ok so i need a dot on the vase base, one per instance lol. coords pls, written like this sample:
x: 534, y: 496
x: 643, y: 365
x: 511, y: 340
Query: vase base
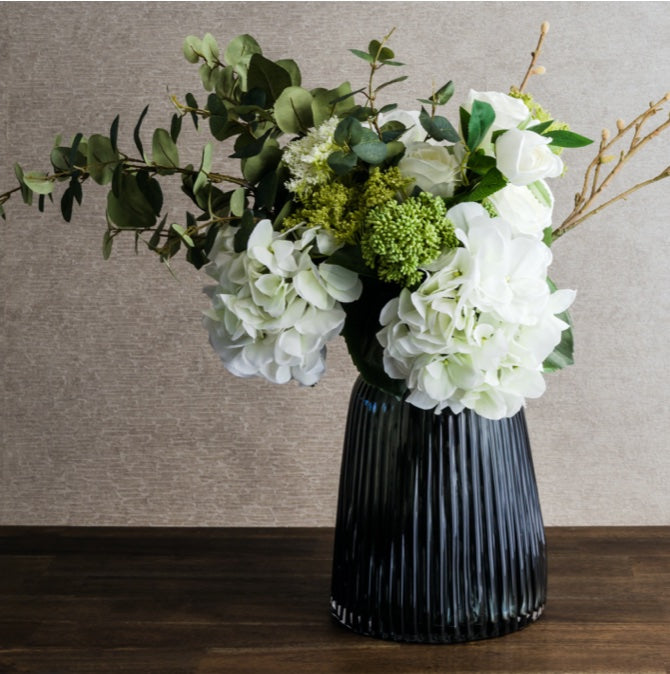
x: 438, y: 634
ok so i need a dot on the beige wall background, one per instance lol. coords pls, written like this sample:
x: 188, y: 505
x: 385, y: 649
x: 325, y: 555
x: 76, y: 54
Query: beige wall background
x: 113, y: 408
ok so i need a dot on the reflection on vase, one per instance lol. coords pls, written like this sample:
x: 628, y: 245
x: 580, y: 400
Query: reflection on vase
x: 439, y: 534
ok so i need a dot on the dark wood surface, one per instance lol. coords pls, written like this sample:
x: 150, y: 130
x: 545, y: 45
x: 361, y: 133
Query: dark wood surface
x: 256, y: 601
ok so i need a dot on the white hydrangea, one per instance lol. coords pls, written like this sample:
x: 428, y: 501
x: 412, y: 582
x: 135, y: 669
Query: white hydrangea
x: 307, y: 157
x: 273, y: 308
x: 477, y: 330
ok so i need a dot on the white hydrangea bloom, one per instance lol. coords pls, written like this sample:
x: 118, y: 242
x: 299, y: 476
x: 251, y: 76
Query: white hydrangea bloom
x: 307, y: 157
x: 477, y: 330
x: 273, y: 309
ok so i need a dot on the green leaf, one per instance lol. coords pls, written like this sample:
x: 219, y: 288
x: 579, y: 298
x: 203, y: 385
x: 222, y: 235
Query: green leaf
x: 402, y: 78
x: 102, y: 159
x: 482, y: 117
x: 130, y: 209
x: 363, y: 55
x: 268, y: 76
x: 563, y: 354
x: 207, y: 76
x: 540, y: 128
x: 329, y: 102
x: 66, y: 203
x: 254, y: 168
x: 373, y: 48
x: 136, y: 132
x: 489, y: 184
x: 183, y: 235
x: 164, y: 150
x: 566, y: 139
x: 205, y: 167
x: 548, y: 236
x: 348, y: 131
x: 392, y: 130
x: 192, y: 103
x: 481, y: 163
x: 210, y: 50
x: 72, y: 159
x: 175, y: 126
x: 38, y: 182
x: 444, y: 93
x: 370, y: 150
x: 248, y: 146
x: 151, y: 190
x: 218, y: 119
x: 114, y: 133
x: 238, y: 202
x: 293, y: 110
x: 240, y: 50
x: 107, y: 241
x: 291, y: 67
x: 192, y: 48
x: 438, y: 128
x: 266, y: 190
x: 342, y: 162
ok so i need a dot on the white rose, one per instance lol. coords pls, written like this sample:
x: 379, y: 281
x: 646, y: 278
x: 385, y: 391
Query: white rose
x: 432, y: 167
x: 524, y: 157
x: 510, y: 111
x: 526, y: 213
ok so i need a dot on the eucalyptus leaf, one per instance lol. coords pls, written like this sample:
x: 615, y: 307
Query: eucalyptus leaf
x: 114, y: 133
x: 131, y: 209
x: 439, y: 128
x: 136, y: 132
x: 293, y: 110
x: 363, y: 55
x: 238, y: 202
x: 102, y: 159
x: 164, y: 149
x: 292, y: 68
x: 192, y: 47
x: 38, y: 182
x: 268, y: 76
x: 342, y: 162
x: 107, y: 241
x: 210, y: 50
x: 370, y: 151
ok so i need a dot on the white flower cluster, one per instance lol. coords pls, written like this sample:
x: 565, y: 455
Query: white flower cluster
x: 477, y: 330
x: 273, y: 308
x: 307, y: 157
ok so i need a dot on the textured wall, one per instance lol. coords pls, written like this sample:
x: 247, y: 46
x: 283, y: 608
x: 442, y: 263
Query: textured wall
x: 113, y: 409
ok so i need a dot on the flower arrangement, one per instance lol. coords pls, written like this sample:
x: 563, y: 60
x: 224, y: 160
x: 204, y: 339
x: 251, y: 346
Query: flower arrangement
x: 425, y: 243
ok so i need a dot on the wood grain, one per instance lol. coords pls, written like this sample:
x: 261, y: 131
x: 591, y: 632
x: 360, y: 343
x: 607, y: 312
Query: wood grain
x: 164, y: 600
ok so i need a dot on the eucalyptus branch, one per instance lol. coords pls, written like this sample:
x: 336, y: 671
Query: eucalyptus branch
x: 593, y: 186
x: 534, y: 69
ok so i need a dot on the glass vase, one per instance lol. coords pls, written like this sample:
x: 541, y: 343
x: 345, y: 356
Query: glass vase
x: 439, y: 535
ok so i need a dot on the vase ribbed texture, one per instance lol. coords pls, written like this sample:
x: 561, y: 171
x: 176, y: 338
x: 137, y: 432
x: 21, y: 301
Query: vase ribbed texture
x: 439, y: 535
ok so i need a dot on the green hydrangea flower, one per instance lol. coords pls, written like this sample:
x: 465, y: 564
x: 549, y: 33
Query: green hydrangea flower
x: 400, y: 238
x: 342, y: 209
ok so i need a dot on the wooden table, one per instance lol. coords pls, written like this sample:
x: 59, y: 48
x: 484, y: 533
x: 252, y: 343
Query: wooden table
x: 156, y: 600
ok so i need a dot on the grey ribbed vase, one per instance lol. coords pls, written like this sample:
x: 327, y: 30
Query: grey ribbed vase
x: 439, y: 535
